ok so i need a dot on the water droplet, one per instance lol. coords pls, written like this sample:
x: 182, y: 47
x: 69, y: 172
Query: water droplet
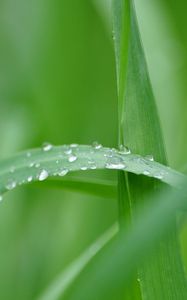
x: 11, y: 185
x: 68, y: 151
x: 37, y: 165
x: 31, y: 165
x: 124, y: 149
x: 110, y: 152
x: 92, y: 164
x: 72, y: 158
x: 149, y: 157
x: 47, y: 147
x: 57, y: 162
x: 21, y: 182
x: 63, y: 172
x: 138, y: 279
x: 1, y: 198
x: 147, y: 173
x: 43, y: 175
x: 28, y: 154
x: 29, y: 179
x: 158, y: 176
x: 96, y: 145
x: 93, y: 167
x: 84, y: 168
x: 74, y: 145
x: 115, y: 163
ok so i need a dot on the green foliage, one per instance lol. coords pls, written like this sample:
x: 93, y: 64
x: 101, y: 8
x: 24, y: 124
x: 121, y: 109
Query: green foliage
x: 58, y: 83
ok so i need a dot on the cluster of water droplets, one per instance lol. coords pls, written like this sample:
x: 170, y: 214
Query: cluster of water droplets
x: 71, y: 157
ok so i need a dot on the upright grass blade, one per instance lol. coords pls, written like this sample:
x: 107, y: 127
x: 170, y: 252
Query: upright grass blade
x: 113, y: 268
x: 139, y: 129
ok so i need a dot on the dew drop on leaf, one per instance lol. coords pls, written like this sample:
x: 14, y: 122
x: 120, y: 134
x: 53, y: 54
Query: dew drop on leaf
x: 43, y: 175
x: 11, y: 185
x: 84, y: 168
x: 63, y: 172
x: 150, y: 157
x: 124, y: 149
x: 68, y: 151
x: 96, y: 145
x: 115, y: 163
x: 1, y: 197
x: 147, y: 173
x: 74, y: 145
x: 158, y: 176
x: 29, y: 179
x: 72, y: 158
x: 47, y: 147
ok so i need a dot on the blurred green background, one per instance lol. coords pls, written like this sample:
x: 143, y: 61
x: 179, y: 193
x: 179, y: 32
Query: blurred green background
x: 58, y: 84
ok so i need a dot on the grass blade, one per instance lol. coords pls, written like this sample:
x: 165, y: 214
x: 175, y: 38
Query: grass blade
x: 139, y: 129
x: 37, y: 165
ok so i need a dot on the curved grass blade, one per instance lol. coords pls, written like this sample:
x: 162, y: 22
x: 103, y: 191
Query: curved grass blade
x: 38, y: 165
x: 139, y: 129
x: 117, y: 262
x: 64, y: 280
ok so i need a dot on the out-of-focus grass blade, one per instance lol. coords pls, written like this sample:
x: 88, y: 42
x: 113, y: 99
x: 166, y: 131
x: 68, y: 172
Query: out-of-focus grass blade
x: 39, y: 164
x: 85, y: 185
x: 111, y: 270
x: 63, y: 281
x: 139, y: 129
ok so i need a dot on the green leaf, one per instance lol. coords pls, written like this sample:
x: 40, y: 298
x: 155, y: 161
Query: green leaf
x: 139, y: 129
x: 113, y: 268
x: 38, y: 165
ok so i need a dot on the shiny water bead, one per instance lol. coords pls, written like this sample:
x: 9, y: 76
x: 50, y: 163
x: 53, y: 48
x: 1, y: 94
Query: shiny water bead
x: 43, y: 175
x: 147, y: 173
x: 158, y: 176
x: 124, y: 149
x: 63, y: 172
x: 115, y: 163
x: 96, y: 145
x: 28, y: 154
x: 93, y: 167
x: 74, y: 145
x: 72, y: 158
x: 11, y: 185
x: 30, y: 178
x: 37, y: 165
x: 84, y: 168
x: 149, y: 157
x: 31, y: 165
x: 92, y: 164
x: 68, y: 151
x: 1, y: 197
x: 109, y: 152
x: 47, y: 147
